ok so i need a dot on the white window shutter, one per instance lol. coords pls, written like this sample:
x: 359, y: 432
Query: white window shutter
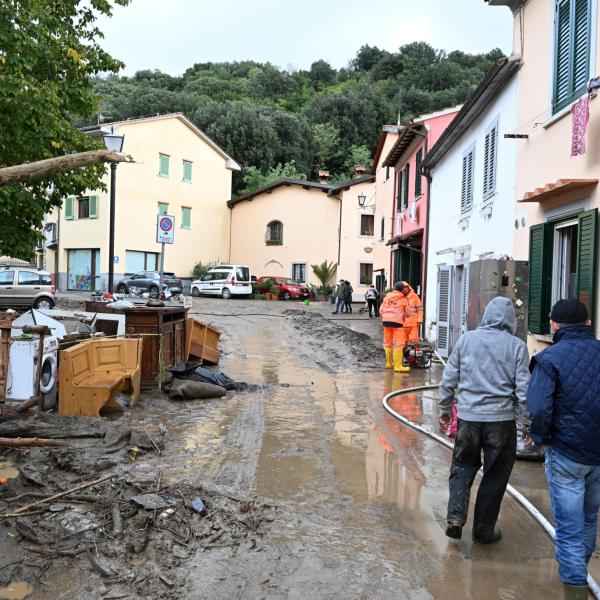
x: 444, y: 293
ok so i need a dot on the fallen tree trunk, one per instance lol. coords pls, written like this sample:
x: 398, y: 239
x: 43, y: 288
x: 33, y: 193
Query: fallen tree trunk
x: 60, y: 164
x: 26, y: 442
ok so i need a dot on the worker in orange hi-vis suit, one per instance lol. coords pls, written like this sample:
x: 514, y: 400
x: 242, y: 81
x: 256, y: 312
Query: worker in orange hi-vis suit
x: 392, y: 315
x: 413, y: 314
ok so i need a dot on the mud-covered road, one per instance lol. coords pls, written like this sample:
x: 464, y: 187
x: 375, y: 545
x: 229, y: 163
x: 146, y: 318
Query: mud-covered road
x: 360, y: 499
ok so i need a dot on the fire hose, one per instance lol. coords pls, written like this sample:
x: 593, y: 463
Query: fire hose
x: 530, y: 508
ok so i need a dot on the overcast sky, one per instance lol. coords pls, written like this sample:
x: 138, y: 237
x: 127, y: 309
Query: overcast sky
x: 172, y: 35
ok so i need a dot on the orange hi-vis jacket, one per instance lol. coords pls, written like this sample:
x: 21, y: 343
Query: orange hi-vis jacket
x: 392, y: 308
x: 413, y: 308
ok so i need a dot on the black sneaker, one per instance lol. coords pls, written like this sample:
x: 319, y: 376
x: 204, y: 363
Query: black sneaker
x: 494, y: 536
x: 454, y: 531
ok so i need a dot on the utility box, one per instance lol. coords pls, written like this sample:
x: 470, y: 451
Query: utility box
x: 498, y: 277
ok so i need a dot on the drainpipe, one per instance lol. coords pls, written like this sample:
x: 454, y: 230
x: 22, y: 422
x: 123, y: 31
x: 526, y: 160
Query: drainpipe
x: 339, y: 232
x: 57, y: 258
x: 426, y: 245
x: 230, y: 230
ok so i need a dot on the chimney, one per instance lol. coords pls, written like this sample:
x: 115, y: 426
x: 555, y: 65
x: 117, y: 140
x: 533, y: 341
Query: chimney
x: 359, y: 170
x: 323, y: 176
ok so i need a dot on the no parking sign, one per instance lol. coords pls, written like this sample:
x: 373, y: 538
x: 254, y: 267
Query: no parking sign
x: 165, y: 229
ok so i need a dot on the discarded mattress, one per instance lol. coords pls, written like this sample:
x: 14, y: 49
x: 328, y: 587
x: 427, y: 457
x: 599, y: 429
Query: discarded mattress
x: 183, y: 389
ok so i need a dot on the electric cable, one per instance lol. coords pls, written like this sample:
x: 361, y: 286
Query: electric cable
x: 530, y: 508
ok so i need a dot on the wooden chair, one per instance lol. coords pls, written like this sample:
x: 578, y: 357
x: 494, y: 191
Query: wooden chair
x: 92, y: 372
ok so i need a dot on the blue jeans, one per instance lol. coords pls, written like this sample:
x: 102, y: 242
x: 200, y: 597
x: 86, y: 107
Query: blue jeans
x: 575, y: 494
x: 339, y: 305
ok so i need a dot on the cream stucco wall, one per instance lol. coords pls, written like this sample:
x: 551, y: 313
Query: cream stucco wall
x: 545, y: 156
x: 310, y: 223
x: 140, y: 189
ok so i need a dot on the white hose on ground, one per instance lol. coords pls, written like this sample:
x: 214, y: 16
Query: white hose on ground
x: 530, y: 508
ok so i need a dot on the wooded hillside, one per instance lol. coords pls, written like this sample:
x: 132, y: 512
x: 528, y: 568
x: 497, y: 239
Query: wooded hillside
x: 279, y: 123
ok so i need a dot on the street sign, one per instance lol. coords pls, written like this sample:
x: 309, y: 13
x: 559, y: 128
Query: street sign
x: 165, y: 229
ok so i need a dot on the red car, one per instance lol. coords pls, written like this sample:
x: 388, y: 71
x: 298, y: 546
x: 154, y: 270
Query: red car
x: 288, y: 288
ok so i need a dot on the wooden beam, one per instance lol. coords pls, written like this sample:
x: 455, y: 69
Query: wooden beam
x: 59, y: 164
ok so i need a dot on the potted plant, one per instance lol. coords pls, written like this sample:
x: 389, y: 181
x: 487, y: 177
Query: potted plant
x: 275, y: 290
x: 322, y: 293
x: 324, y: 273
x: 255, y: 291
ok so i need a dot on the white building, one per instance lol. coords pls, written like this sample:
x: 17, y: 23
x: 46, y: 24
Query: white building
x: 472, y: 200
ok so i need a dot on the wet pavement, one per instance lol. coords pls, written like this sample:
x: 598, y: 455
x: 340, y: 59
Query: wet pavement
x: 361, y: 498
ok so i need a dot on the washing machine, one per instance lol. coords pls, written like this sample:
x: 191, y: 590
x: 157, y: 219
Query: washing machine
x: 22, y: 369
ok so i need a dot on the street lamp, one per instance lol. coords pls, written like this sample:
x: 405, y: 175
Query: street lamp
x: 361, y: 200
x: 113, y: 142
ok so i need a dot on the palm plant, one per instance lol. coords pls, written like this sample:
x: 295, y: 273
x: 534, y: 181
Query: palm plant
x: 324, y: 272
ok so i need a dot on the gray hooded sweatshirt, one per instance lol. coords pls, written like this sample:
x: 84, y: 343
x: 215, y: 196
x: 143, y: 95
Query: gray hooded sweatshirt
x: 488, y: 371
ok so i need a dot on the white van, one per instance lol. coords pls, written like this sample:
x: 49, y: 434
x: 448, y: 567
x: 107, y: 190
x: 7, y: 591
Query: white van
x: 225, y: 281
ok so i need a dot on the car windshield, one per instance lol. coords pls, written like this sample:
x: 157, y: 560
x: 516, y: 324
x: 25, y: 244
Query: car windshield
x: 290, y: 282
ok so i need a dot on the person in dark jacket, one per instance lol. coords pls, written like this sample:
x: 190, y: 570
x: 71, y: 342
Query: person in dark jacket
x: 348, y: 298
x: 487, y: 375
x: 340, y: 297
x: 564, y: 408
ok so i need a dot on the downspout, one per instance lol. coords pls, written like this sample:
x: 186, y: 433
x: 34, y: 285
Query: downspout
x: 57, y: 256
x: 339, y: 233
x: 426, y: 248
x: 230, y: 230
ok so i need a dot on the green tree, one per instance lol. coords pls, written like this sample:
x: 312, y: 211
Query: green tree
x: 48, y: 53
x: 326, y: 139
x: 324, y: 272
x: 254, y: 179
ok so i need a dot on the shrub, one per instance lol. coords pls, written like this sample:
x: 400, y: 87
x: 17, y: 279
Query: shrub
x: 201, y: 269
x: 324, y: 272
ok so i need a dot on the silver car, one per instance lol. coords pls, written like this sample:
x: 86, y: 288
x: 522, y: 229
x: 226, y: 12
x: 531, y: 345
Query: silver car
x: 26, y: 286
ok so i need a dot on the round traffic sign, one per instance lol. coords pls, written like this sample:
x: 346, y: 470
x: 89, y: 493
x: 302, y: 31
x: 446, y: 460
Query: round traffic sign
x: 166, y: 224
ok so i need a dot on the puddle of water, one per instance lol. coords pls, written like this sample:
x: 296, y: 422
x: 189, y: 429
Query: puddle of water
x: 16, y: 591
x: 7, y: 470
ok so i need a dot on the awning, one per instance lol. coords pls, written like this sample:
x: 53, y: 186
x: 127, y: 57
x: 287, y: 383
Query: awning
x: 399, y: 239
x: 560, y: 188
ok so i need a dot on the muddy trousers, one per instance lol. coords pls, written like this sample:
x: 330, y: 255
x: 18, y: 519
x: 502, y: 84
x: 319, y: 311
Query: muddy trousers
x: 498, y: 441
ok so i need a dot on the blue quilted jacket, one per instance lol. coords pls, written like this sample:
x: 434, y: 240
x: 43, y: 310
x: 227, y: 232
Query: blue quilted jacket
x: 564, y: 395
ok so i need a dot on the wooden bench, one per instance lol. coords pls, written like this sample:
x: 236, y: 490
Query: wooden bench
x: 92, y: 372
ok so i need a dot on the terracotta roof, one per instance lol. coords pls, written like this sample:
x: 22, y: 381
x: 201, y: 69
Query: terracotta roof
x: 557, y: 189
x: 409, y: 133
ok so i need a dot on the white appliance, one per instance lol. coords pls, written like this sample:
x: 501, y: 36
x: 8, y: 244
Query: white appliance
x: 22, y: 369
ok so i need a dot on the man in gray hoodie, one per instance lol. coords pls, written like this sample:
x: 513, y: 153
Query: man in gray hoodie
x: 487, y: 376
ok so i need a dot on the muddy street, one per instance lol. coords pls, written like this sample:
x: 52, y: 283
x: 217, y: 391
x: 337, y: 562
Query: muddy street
x: 358, y: 499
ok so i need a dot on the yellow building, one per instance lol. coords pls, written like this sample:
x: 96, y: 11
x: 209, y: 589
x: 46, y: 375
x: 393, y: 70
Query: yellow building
x: 179, y: 171
x: 557, y: 192
x: 285, y: 227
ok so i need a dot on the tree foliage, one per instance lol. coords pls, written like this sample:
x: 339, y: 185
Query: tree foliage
x: 48, y: 53
x: 265, y: 116
x: 324, y: 272
x: 254, y: 179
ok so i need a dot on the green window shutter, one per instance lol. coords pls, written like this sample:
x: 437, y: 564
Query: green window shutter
x: 187, y: 171
x: 69, y: 208
x: 162, y: 208
x: 581, y: 44
x: 397, y: 267
x: 186, y: 218
x: 93, y: 207
x: 399, y: 189
x: 405, y: 186
x: 540, y: 277
x: 562, y: 45
x: 163, y: 165
x: 419, y: 160
x: 587, y: 248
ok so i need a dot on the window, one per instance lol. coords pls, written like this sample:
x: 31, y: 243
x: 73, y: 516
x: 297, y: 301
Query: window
x: 382, y: 228
x: 367, y: 225
x: 562, y: 264
x: 466, y: 194
x: 242, y: 273
x: 28, y: 278
x: 366, y: 273
x: 572, y: 34
x: 83, y: 208
x: 274, y: 233
x: 490, y: 161
x: 138, y: 261
x: 399, y: 190
x: 299, y: 272
x: 7, y: 277
x: 187, y: 171
x: 186, y: 217
x: 163, y: 165
x: 387, y: 173
x: 418, y: 177
x: 403, y: 177
x: 163, y: 208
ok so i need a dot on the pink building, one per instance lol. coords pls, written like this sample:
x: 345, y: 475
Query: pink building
x: 411, y: 197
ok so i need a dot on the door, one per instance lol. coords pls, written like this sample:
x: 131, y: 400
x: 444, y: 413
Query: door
x: 27, y: 287
x: 205, y: 286
x: 444, y: 308
x: 219, y: 281
x: 7, y: 287
x: 83, y: 270
x: 459, y: 299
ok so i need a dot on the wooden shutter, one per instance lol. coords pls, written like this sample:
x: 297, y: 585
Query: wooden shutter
x: 562, y: 45
x: 444, y: 293
x: 399, y: 189
x: 489, y: 162
x: 93, y: 207
x: 163, y: 165
x: 464, y: 299
x: 466, y: 197
x: 405, y: 186
x: 397, y: 268
x: 69, y: 208
x: 187, y: 171
x: 581, y: 44
x: 418, y: 161
x: 587, y: 245
x: 540, y: 277
x: 186, y: 218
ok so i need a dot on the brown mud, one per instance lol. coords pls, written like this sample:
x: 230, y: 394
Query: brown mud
x: 359, y: 499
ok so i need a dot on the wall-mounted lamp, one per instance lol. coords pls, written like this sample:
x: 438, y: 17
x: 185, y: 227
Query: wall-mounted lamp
x: 361, y: 200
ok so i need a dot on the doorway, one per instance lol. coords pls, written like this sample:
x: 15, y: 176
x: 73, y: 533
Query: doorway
x: 83, y: 269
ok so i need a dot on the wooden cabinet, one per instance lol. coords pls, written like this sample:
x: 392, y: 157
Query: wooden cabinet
x: 156, y: 324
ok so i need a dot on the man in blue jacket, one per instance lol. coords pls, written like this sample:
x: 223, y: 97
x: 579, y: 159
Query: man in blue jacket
x: 564, y: 408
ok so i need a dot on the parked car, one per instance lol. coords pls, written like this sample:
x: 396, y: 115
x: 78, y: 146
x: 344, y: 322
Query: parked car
x: 22, y: 286
x: 288, y: 288
x: 225, y: 281
x: 149, y: 281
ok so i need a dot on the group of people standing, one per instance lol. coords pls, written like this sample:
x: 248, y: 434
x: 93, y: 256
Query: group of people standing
x: 343, y: 297
x: 556, y: 398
